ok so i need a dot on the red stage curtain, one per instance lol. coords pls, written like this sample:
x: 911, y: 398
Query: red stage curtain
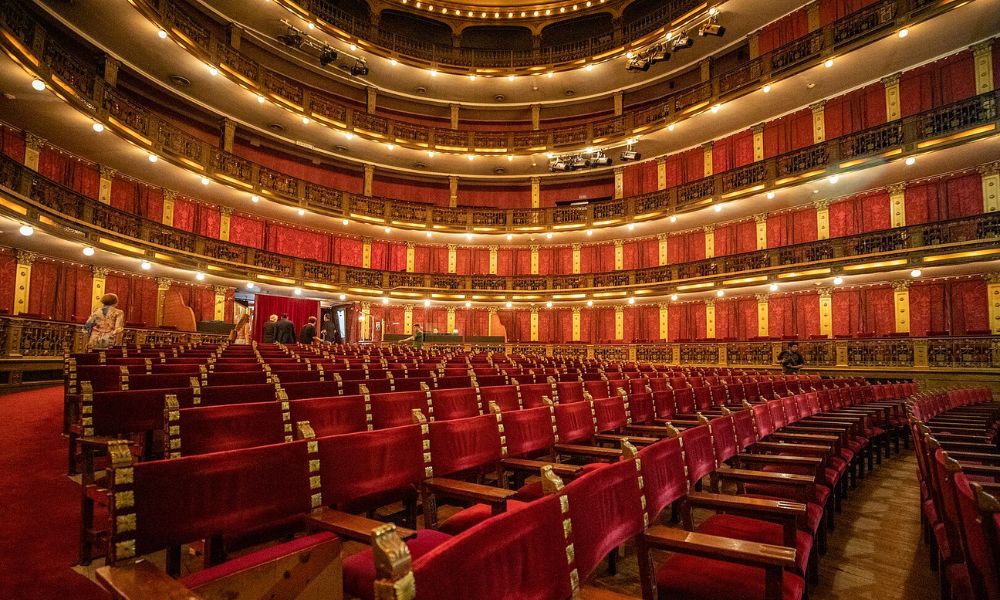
x: 854, y: 111
x: 246, y: 231
x: 786, y: 29
x: 12, y: 143
x: 788, y: 133
x: 297, y: 309
x: 945, y: 199
x: 69, y: 171
x: 136, y: 296
x: 942, y: 82
x: 290, y: 241
x: 8, y: 273
x: 60, y: 290
x: 831, y: 10
x: 137, y: 198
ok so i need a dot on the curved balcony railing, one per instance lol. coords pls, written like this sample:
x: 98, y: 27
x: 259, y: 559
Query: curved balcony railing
x: 916, y: 353
x: 960, y: 240
x: 199, y: 35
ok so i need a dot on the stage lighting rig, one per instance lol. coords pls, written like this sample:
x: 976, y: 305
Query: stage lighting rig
x: 327, y: 56
x: 712, y: 27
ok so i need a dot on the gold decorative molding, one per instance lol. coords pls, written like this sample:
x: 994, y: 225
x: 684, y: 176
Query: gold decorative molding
x: 901, y: 303
x: 536, y: 192
x: 493, y: 259
x: 709, y: 241
x: 452, y: 258
x: 225, y: 222
x: 707, y: 150
x: 219, y: 312
x: 168, y: 208
x: 822, y: 219
x: 664, y: 321
x: 826, y: 312
x: 619, y: 255
x: 534, y: 260
x: 661, y: 174
x: 763, y: 304
x: 366, y: 253
x: 576, y: 324
x: 758, y: 142
x: 576, y: 259
x: 619, y: 322
x: 369, y: 178
x: 991, y: 186
x: 408, y: 319
x: 104, y: 191
x: 22, y: 281
x: 982, y: 56
x: 819, y: 121
x: 760, y: 221
x: 892, y: 100
x: 710, y: 318
x: 993, y: 299
x: 661, y: 249
x: 411, y: 257
x: 534, y: 325
x: 32, y: 150
x: 619, y: 183
x: 897, y: 204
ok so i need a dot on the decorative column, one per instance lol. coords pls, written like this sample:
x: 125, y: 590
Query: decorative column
x: 534, y: 325
x: 452, y: 258
x: 892, y: 106
x: 453, y: 191
x: 661, y: 174
x: 104, y: 191
x: 762, y: 308
x: 901, y: 301
x: 493, y: 259
x: 619, y: 102
x: 32, y: 150
x: 372, y: 98
x: 228, y: 131
x: 819, y: 121
x: 709, y: 241
x: 897, y: 204
x: 993, y: 297
x: 826, y: 312
x: 983, y: 60
x: 619, y: 255
x: 576, y: 259
x: 661, y: 249
x: 407, y: 319
x: 366, y: 253
x: 451, y: 320
x: 220, y: 304
x: 760, y: 220
x: 536, y: 192
x: 162, y: 287
x: 710, y: 318
x: 22, y: 280
x: 492, y: 314
x: 753, y: 44
x: 664, y: 321
x: 619, y: 322
x: 822, y: 219
x: 576, y: 324
x: 364, y: 322
x: 536, y: 117
x: 991, y: 186
x: 411, y: 256
x: 707, y: 152
x: 758, y: 142
x: 454, y: 115
x: 619, y: 182
x: 168, y: 208
x: 369, y: 177
x: 97, y: 286
x: 534, y: 260
x: 225, y: 220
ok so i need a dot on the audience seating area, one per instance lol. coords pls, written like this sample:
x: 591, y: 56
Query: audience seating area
x: 267, y: 455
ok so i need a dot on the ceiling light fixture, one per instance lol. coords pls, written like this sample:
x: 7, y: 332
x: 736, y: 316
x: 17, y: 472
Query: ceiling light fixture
x: 146, y: 265
x: 770, y: 195
x: 153, y: 158
x: 297, y: 291
x: 673, y: 297
x: 162, y: 34
x: 260, y: 99
x: 255, y: 198
x: 97, y: 127
x: 910, y: 161
x: 838, y: 280
x: 88, y: 251
x: 205, y: 180
x: 903, y: 33
x: 199, y: 276
x: 27, y: 230
x: 38, y: 85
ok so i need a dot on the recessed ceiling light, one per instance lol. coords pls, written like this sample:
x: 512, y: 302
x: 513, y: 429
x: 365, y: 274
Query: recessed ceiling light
x: 390, y: 146
x: 903, y: 33
x: 770, y: 195
x: 838, y: 280
x: 260, y: 99
x: 427, y: 302
x: 910, y: 161
x: 146, y: 265
x: 631, y: 300
x: 631, y: 226
x: 468, y: 304
x: 468, y: 236
x: 88, y: 251
x: 213, y: 71
x: 38, y: 85
x: 255, y: 198
x: 199, y: 276
x: 720, y: 293
x: 27, y: 230
x: 673, y: 297
x: 205, y: 180
x: 834, y: 179
x: 766, y: 89
x: 828, y: 63
x: 162, y: 34
x: 153, y: 158
x: 297, y: 291
x: 590, y: 232
x: 509, y: 237
x: 346, y: 222
x: 509, y: 304
x: 98, y: 127
x: 916, y: 273
x: 387, y: 230
x: 716, y: 108
x: 673, y: 218
x: 301, y: 211
x: 393, y: 62
x: 249, y: 285
x: 718, y: 208
x: 670, y: 127
x: 384, y: 300
x: 773, y: 287
x: 548, y: 235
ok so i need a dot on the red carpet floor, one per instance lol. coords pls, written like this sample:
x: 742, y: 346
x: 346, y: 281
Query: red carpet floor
x: 41, y: 506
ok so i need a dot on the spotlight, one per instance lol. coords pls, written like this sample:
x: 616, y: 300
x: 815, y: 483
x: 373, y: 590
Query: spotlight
x: 712, y: 29
x: 834, y: 179
x: 590, y: 232
x: 510, y: 237
x: 680, y: 42
x: 631, y: 226
x: 509, y: 304
x: 673, y: 218
x: 98, y: 127
x: 199, y: 276
x: 345, y: 222
x: 88, y: 251
x: 213, y: 71
x: 260, y: 99
x: 718, y: 208
x: 292, y: 38
x: 766, y: 89
x: 27, y: 230
x: 548, y: 235
x: 630, y: 155
x: 38, y: 85
x: 828, y: 63
x: 302, y: 212
x: 359, y: 69
x: 903, y: 33
x: 205, y: 180
x: 468, y: 236
x: 146, y: 265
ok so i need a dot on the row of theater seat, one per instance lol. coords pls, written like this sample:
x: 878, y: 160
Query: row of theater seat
x: 958, y: 458
x: 830, y: 432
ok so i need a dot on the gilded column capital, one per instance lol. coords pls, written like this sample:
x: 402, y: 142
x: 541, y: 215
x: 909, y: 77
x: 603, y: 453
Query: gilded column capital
x: 452, y: 247
x: 821, y: 204
x: 577, y: 309
x: 758, y: 129
x: 825, y: 292
x: 493, y: 247
x: 817, y: 106
x: 664, y: 306
x: 901, y: 285
x: 708, y: 145
x: 493, y: 310
x: 221, y: 290
x: 107, y: 172
x: 661, y: 161
x: 891, y: 80
x: 983, y: 47
x: 710, y: 302
x: 760, y: 218
x: 534, y: 310
x: 533, y: 247
x: 989, y: 168
x: 762, y: 298
x: 576, y: 247
x: 169, y: 195
x: 661, y: 236
x: 619, y: 308
x: 227, y: 210
x: 366, y: 240
x: 619, y: 243
x: 26, y: 257
x: 100, y: 272
x: 993, y: 277
x: 33, y: 141
x: 897, y: 188
x: 366, y: 306
x: 163, y: 284
x: 410, y: 245
x: 710, y: 228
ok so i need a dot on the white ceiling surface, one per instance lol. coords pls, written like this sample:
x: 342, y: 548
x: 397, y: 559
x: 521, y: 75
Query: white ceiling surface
x: 46, y: 115
x: 71, y: 250
x: 158, y: 59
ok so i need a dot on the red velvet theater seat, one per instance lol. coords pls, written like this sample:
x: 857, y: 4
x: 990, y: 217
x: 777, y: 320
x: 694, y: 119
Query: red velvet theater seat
x: 230, y: 427
x: 331, y: 416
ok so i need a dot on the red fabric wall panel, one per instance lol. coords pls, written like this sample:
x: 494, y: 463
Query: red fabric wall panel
x: 463, y: 261
x: 522, y: 261
x: 495, y: 197
x: 209, y: 221
x: 603, y: 323
x: 349, y: 251
x: 545, y: 326
x: 589, y: 190
x: 926, y: 309
x: 936, y: 84
x: 505, y: 261
x: 136, y: 296
x: 647, y: 323
x: 562, y: 260
x: 379, y: 255
x: 855, y: 110
x: 788, y: 133
x: 746, y: 318
x: 60, y: 290
x: 725, y: 320
x: 685, y: 247
x: 546, y: 264
x: 784, y: 30
x: 733, y: 151
x: 746, y: 237
x: 184, y: 214
x: 562, y: 330
x: 69, y: 171
x: 246, y: 231
x: 793, y: 316
x: 864, y: 311
x: 481, y: 261
x: 397, y: 257
x: 297, y: 309
x: 951, y: 198
x: 298, y: 242
x: 415, y: 191
x: 649, y: 253
x: 339, y: 179
x: 630, y: 323
x: 695, y: 162
x: 791, y: 228
x: 394, y: 320
x: 604, y: 258
x: 8, y: 272
x: 860, y: 214
x: 806, y: 308
x: 587, y: 325
x: 588, y: 259
x: 969, y: 307
x: 422, y: 261
x: 831, y: 10
x: 639, y: 178
x: 12, y: 143
x: 137, y: 198
x: 630, y: 255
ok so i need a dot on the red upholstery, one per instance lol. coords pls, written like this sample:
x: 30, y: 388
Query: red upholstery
x: 330, y: 416
x: 663, y: 475
x: 237, y: 394
x: 474, y: 515
x: 455, y: 403
x: 254, y: 559
x: 570, y: 391
x: 311, y: 389
x: 359, y: 569
x: 230, y: 427
x: 505, y: 397
x: 610, y: 413
x: 133, y: 411
x: 575, y: 422
x: 597, y: 388
x: 394, y: 409
x: 529, y: 432
x: 699, y: 453
x: 694, y: 578
x: 532, y: 393
x: 464, y: 444
x: 757, y: 530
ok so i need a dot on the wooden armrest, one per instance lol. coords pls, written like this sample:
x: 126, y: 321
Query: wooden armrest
x: 984, y: 457
x: 719, y: 548
x: 980, y: 469
x: 835, y: 431
x: 650, y: 430
x: 524, y: 464
x: 990, y: 487
x: 968, y: 446
x: 806, y: 437
x: 617, y: 438
x: 961, y: 437
x: 592, y: 451
x: 463, y: 490
x: 794, y: 448
x: 142, y: 580
x: 746, y: 504
x: 101, y: 441
x: 748, y: 476
x: 774, y: 459
x: 679, y: 423
x: 349, y: 526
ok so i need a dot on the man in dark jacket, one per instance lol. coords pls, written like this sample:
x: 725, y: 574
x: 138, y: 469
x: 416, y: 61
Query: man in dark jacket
x: 269, y: 329
x: 284, y: 330
x: 791, y: 360
x: 308, y: 333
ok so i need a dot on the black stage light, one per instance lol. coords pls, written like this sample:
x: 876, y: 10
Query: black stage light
x: 684, y: 41
x: 359, y: 69
x: 712, y: 29
x: 628, y: 155
x: 659, y: 54
x: 327, y: 56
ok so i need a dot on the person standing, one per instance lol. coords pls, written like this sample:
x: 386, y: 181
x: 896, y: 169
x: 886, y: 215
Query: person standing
x: 417, y: 338
x: 242, y: 331
x: 791, y: 360
x: 284, y: 330
x: 269, y: 329
x: 308, y: 333
x: 329, y: 333
x: 105, y: 324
